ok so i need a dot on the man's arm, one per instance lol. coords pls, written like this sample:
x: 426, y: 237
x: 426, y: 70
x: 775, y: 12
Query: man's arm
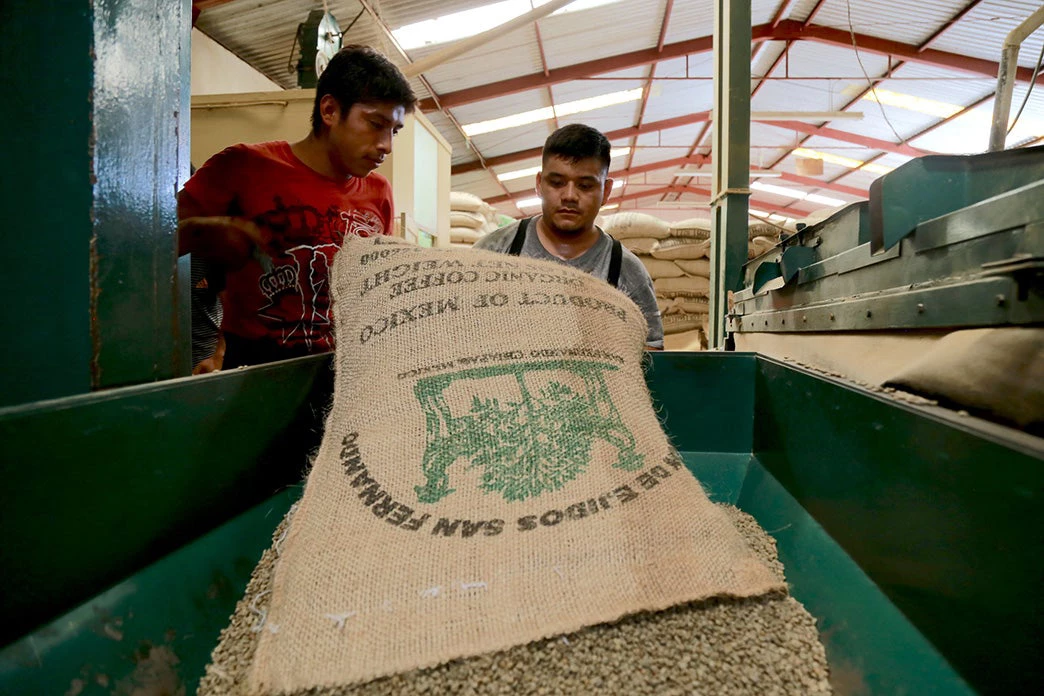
x: 205, y: 229
x: 637, y: 284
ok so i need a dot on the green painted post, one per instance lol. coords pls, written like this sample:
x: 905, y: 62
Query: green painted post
x: 90, y: 180
x: 46, y: 198
x: 141, y: 108
x: 731, y: 157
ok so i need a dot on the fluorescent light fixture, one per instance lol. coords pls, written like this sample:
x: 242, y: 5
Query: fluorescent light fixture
x: 532, y: 171
x: 910, y: 103
x: 794, y: 193
x: 842, y: 161
x: 549, y: 112
x: 460, y: 25
x: 611, y: 206
x: 824, y: 200
x: 529, y: 202
x: 519, y: 173
x: 778, y: 190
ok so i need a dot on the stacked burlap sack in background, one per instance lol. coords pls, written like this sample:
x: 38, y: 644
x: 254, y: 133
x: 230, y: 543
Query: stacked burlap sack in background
x: 471, y: 219
x: 508, y: 484
x: 676, y: 256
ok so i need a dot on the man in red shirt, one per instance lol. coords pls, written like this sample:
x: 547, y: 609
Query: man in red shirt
x: 273, y: 215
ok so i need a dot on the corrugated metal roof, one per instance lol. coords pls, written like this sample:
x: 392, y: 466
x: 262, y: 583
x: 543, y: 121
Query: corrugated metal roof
x: 601, y: 32
x: 929, y: 82
x: 809, y: 59
x: 513, y: 55
x: 689, y: 19
x: 818, y: 77
x: 899, y: 20
x: 981, y: 32
x: 262, y: 33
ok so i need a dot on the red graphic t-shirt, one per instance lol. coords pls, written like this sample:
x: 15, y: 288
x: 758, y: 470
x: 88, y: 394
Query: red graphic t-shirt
x: 306, y: 215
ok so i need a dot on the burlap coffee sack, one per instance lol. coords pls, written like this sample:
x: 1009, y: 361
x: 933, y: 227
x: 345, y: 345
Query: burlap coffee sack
x: 462, y: 200
x: 689, y: 286
x: 759, y: 245
x: 695, y: 267
x: 466, y: 219
x: 658, y: 268
x: 758, y: 645
x: 692, y: 305
x: 466, y: 234
x: 679, y: 248
x: 678, y: 322
x: 763, y: 229
x: 627, y: 225
x: 994, y: 372
x: 492, y: 473
x: 694, y: 228
x: 642, y: 246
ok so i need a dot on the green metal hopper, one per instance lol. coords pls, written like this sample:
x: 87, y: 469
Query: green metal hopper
x: 134, y: 517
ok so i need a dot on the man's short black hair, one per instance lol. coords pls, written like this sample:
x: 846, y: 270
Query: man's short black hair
x: 576, y: 142
x: 359, y: 74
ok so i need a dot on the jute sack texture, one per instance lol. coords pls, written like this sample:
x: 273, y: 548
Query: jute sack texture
x: 470, y: 220
x: 466, y: 235
x: 681, y: 248
x: 492, y: 473
x: 642, y: 246
x: 461, y: 200
x: 685, y: 286
x: 995, y: 372
x: 658, y: 268
x: 693, y: 228
x: 627, y: 225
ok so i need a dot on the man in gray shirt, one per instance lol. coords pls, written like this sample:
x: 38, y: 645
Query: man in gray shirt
x: 573, y: 183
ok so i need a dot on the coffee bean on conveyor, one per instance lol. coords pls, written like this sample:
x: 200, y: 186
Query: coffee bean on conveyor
x: 764, y: 645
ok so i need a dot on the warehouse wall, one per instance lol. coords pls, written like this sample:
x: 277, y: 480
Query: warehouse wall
x: 216, y: 70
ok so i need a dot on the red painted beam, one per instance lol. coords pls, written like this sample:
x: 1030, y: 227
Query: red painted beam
x: 651, y: 127
x: 789, y: 29
x: 578, y: 71
x: 676, y: 188
x: 786, y: 30
x: 948, y: 24
x: 829, y: 185
x: 784, y: 9
x: 698, y: 160
x: 846, y: 137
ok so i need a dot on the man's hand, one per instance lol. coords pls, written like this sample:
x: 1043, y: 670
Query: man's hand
x: 214, y: 362
x: 227, y: 241
x: 211, y: 364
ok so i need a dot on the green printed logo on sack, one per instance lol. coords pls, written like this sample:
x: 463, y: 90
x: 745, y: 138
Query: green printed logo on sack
x: 534, y: 444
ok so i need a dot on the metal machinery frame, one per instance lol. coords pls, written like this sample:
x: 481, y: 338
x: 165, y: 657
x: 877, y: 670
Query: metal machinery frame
x: 969, y: 254
x: 731, y: 158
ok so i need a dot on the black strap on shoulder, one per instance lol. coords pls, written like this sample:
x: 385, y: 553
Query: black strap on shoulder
x: 615, y: 256
x: 615, y: 261
x: 520, y: 237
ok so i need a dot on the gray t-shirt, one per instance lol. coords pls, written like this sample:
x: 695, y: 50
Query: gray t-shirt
x: 635, y: 281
